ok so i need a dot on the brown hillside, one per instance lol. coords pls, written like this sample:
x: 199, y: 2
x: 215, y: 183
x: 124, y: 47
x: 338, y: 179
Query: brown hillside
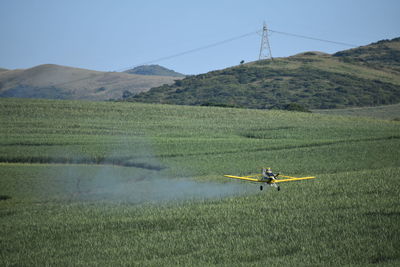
x: 61, y: 82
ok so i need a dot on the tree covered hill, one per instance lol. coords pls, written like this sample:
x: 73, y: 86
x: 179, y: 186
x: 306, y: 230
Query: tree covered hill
x: 364, y: 76
x: 154, y: 70
x: 384, y: 54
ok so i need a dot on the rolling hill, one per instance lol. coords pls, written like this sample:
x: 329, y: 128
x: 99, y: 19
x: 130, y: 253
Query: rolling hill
x: 154, y: 70
x: 61, y: 82
x: 364, y: 76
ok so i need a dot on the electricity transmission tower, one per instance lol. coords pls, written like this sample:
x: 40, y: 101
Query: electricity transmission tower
x: 265, y: 49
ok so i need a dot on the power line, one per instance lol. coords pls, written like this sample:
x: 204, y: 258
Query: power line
x: 172, y: 56
x: 217, y: 44
x: 312, y: 38
x: 234, y: 39
x: 192, y: 50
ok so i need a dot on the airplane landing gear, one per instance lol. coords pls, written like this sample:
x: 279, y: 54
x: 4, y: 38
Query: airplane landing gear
x: 279, y: 188
x: 261, y: 187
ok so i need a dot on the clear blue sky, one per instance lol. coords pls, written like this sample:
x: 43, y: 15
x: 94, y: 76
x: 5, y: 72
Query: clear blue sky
x: 111, y: 35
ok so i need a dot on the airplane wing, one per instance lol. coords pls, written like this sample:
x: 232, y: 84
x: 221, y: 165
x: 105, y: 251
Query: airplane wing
x: 293, y: 179
x: 247, y: 178
x: 252, y: 179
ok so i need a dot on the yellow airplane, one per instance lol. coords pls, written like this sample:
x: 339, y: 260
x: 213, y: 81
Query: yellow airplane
x: 271, y: 181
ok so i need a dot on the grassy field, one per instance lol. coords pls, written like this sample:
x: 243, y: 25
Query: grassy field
x: 85, y: 183
x: 386, y: 112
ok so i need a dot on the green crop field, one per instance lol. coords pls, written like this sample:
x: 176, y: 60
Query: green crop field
x: 111, y: 184
x: 387, y: 112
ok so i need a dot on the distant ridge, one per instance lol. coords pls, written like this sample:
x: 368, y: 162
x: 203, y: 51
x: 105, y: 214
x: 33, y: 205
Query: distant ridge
x: 359, y: 77
x: 154, y: 70
x: 61, y: 82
